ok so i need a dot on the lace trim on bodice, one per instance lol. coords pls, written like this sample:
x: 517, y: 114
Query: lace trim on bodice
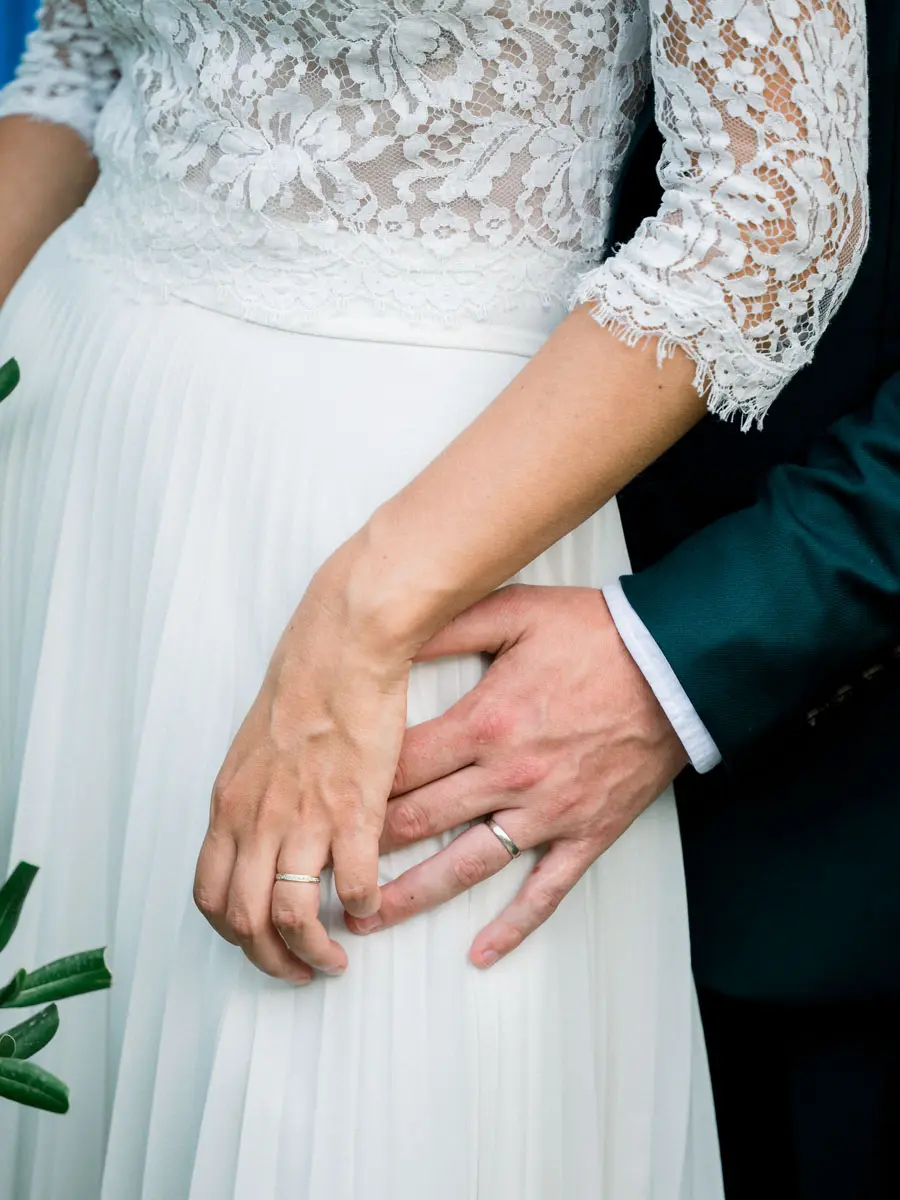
x: 302, y: 278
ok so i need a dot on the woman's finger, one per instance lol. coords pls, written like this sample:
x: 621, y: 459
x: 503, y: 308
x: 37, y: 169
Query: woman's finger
x: 355, y: 857
x: 295, y: 906
x: 474, y: 856
x: 212, y: 880
x: 543, y: 891
x: 249, y: 917
x: 439, y: 807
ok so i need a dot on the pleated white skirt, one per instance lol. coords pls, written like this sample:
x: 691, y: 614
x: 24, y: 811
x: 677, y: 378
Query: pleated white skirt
x: 170, y: 478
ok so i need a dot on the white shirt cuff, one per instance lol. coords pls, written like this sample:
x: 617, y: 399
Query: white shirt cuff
x: 654, y: 666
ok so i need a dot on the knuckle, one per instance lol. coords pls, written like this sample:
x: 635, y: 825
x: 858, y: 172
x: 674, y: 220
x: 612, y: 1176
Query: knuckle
x: 523, y: 773
x: 549, y: 898
x: 242, y: 923
x: 355, y: 893
x: 289, y: 920
x: 224, y: 798
x: 209, y: 904
x: 469, y: 869
x: 512, y: 936
x: 407, y: 822
x: 492, y: 722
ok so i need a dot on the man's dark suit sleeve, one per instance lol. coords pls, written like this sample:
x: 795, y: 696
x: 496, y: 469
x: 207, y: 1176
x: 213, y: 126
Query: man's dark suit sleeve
x: 765, y: 613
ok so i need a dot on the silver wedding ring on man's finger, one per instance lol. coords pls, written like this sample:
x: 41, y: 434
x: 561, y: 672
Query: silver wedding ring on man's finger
x: 287, y: 878
x: 503, y: 837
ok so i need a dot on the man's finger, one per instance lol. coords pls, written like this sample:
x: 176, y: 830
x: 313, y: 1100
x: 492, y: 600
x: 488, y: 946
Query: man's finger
x: 474, y: 856
x: 539, y: 897
x: 486, y: 628
x: 436, y: 748
x: 439, y: 807
x: 448, y: 743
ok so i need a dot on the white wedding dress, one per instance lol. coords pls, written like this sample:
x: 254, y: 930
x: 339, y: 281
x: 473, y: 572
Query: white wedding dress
x: 326, y: 234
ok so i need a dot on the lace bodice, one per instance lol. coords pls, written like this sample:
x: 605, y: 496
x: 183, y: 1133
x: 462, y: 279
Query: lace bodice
x: 450, y: 158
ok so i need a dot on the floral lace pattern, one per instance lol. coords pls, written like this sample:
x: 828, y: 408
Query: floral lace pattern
x: 442, y: 157
x: 67, y: 73
x: 765, y: 218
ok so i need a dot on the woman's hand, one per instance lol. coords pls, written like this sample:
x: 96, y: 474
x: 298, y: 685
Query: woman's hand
x: 305, y: 783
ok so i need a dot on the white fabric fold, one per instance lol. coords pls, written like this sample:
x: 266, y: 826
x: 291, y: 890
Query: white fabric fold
x: 170, y: 478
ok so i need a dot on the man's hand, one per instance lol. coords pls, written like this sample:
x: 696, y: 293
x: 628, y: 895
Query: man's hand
x: 563, y: 741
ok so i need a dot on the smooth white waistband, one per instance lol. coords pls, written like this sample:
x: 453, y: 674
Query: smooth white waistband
x: 374, y: 325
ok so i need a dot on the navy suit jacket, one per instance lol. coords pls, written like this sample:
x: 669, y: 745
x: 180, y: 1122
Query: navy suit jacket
x: 767, y: 567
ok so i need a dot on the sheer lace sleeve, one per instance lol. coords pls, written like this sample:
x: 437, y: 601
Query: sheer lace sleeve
x: 66, y: 72
x: 763, y: 109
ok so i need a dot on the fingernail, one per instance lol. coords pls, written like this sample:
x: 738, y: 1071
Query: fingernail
x: 301, y: 980
x: 333, y: 970
x: 368, y: 924
x: 489, y: 958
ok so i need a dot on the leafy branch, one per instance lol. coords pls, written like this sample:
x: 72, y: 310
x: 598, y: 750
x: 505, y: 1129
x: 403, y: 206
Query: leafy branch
x: 9, y: 377
x: 22, y: 1081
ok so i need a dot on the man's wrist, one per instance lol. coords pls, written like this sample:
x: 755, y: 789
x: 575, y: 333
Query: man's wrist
x: 699, y: 746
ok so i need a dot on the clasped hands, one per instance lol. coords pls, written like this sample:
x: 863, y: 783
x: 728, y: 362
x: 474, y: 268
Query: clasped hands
x: 562, y: 741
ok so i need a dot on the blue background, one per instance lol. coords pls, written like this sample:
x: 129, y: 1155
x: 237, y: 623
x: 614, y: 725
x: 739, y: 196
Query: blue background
x: 16, y: 19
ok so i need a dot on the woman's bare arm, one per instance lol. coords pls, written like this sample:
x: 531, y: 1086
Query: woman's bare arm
x: 585, y: 415
x: 48, y: 113
x: 46, y: 172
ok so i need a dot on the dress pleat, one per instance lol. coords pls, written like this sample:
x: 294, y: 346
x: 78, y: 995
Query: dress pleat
x: 170, y: 479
